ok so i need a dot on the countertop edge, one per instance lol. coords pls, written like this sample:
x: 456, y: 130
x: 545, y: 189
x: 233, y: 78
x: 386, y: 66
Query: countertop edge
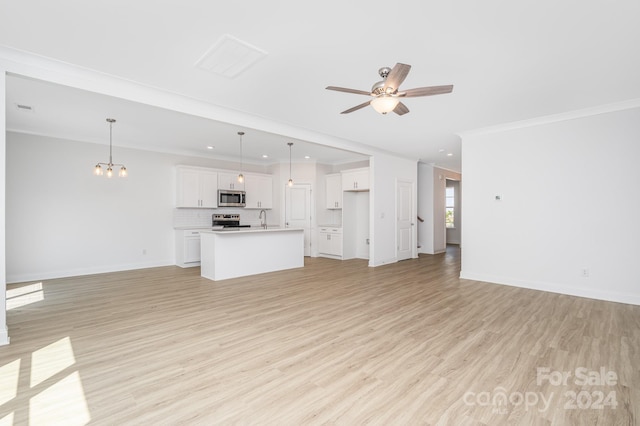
x: 250, y: 231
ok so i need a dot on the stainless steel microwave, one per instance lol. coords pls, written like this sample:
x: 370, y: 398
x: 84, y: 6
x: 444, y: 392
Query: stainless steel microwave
x: 227, y: 198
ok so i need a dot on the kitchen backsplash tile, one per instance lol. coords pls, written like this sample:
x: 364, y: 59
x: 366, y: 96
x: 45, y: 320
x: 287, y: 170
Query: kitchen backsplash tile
x: 199, y: 218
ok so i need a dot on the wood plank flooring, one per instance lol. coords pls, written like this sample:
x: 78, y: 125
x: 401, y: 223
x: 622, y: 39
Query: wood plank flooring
x: 331, y: 343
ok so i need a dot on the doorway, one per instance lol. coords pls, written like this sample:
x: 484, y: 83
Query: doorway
x: 453, y: 222
x: 298, y: 211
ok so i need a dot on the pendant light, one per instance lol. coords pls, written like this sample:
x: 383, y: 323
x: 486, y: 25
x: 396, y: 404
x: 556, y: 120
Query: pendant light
x: 240, y: 176
x: 98, y: 169
x: 290, y: 183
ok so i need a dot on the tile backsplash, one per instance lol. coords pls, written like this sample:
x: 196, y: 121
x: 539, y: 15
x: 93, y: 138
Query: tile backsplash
x: 202, y: 217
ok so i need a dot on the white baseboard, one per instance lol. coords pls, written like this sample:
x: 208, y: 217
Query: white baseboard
x: 4, y: 336
x: 383, y: 262
x: 632, y: 299
x: 50, y: 275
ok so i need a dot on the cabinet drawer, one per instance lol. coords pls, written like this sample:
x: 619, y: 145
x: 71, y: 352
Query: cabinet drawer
x: 331, y: 230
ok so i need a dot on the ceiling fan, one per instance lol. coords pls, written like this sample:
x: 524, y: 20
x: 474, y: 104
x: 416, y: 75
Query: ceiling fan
x: 385, y: 94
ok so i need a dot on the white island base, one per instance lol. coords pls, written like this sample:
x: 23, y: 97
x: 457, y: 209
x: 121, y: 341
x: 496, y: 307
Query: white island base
x: 242, y: 252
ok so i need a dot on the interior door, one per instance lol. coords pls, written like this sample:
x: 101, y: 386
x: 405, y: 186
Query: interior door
x: 298, y: 211
x: 405, y: 224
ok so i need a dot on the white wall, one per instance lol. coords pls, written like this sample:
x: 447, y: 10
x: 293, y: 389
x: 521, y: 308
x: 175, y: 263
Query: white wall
x: 385, y: 172
x: 4, y: 335
x: 64, y: 221
x: 425, y: 208
x: 571, y: 201
x: 431, y: 207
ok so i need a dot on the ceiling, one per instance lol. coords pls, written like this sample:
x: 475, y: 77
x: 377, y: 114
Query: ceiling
x: 508, y: 61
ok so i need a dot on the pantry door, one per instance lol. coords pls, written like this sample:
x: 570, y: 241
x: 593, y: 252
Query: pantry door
x: 405, y: 222
x: 298, y: 211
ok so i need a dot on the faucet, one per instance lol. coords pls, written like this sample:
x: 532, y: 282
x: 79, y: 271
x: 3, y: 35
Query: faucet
x: 263, y: 224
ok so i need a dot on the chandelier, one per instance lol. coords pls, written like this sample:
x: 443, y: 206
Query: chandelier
x: 110, y: 165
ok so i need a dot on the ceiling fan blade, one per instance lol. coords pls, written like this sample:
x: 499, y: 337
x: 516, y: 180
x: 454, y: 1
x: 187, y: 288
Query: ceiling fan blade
x: 344, y: 89
x: 355, y: 108
x: 401, y: 109
x: 396, y: 77
x: 426, y: 91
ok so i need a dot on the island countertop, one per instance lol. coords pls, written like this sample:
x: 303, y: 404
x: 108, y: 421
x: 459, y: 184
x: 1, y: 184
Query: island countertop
x: 247, y: 230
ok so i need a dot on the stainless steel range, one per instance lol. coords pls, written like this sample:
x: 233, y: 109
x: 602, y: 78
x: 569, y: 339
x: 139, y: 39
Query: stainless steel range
x: 227, y: 221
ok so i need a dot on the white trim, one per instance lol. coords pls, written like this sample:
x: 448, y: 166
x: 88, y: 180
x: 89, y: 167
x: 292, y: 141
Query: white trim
x: 47, y: 69
x: 383, y: 262
x: 632, y: 299
x: 87, y: 271
x: 548, y: 119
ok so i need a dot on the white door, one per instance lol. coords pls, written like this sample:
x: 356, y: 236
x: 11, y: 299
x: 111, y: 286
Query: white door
x: 405, y: 220
x: 298, y: 211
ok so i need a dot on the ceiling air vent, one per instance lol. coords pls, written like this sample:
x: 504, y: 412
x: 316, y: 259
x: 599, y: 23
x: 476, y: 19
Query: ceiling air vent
x: 230, y: 56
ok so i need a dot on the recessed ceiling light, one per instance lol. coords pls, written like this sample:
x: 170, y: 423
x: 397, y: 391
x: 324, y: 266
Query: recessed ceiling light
x: 306, y: 157
x: 265, y: 156
x: 450, y: 155
x: 210, y: 147
x: 441, y: 150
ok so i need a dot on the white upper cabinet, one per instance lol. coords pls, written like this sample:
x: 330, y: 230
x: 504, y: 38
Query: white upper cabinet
x: 333, y: 185
x: 355, y: 179
x: 196, y: 187
x: 229, y: 181
x: 259, y: 191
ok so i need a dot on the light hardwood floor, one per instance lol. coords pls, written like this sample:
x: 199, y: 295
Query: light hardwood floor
x: 331, y: 343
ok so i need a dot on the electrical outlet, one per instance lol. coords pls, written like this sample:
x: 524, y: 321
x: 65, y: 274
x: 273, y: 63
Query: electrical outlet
x: 585, y: 273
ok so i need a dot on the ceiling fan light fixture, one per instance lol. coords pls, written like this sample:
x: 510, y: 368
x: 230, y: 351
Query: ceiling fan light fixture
x: 385, y: 103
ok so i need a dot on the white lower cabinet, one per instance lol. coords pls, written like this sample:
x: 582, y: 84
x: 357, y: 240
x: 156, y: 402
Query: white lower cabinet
x: 188, y: 248
x: 330, y: 242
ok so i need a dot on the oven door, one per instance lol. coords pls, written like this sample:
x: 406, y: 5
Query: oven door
x: 231, y: 198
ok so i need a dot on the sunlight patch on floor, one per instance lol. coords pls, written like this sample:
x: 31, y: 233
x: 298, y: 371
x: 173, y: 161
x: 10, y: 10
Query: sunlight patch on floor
x: 61, y: 403
x: 50, y: 360
x: 9, y: 374
x: 25, y: 295
x: 7, y: 420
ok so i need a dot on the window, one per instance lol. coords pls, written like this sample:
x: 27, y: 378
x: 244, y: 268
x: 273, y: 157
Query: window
x: 450, y: 202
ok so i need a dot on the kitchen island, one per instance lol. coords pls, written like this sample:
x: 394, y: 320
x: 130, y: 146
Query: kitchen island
x: 248, y: 251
